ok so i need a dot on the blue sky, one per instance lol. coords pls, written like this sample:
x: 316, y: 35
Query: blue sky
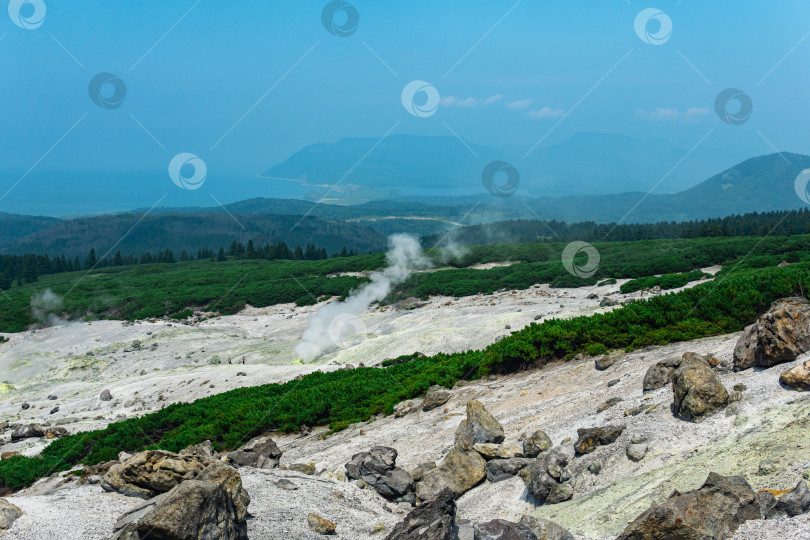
x: 244, y: 85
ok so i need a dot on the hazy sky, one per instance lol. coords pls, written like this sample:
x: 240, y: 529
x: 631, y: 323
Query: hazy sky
x: 245, y: 84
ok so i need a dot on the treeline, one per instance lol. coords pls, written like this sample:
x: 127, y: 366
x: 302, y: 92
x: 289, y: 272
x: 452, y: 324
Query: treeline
x: 22, y: 269
x: 781, y: 223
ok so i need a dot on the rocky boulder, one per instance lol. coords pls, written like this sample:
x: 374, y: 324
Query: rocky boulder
x: 105, y: 395
x: 436, y: 396
x: 432, y: 520
x: 797, y: 377
x: 204, y: 450
x: 714, y: 511
x: 697, y: 389
x: 8, y: 514
x: 460, y: 471
x: 27, y: 431
x: 320, y: 524
x: 192, y: 510
x: 378, y: 469
x: 793, y: 503
x: 604, y: 362
x: 479, y: 427
x: 660, y: 374
x: 536, y: 443
x: 500, y: 529
x: 779, y: 336
x: 545, y: 529
x: 231, y: 481
x: 547, y: 478
x: 152, y: 472
x: 499, y: 451
x: 503, y: 469
x: 260, y: 452
x: 590, y: 438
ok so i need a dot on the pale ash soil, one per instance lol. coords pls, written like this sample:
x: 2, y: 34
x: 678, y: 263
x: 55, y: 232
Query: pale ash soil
x: 764, y: 428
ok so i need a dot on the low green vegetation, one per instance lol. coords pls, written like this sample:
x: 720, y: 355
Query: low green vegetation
x: 340, y: 398
x: 157, y: 290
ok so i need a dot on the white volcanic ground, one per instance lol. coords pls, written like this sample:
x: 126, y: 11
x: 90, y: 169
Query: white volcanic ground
x: 764, y: 436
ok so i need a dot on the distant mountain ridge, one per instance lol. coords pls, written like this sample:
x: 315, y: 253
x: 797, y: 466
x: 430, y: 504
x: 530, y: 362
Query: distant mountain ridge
x: 587, y: 163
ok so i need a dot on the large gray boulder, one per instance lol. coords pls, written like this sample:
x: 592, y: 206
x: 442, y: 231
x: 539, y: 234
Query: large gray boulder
x: 660, y: 374
x: 697, y: 389
x: 378, y: 469
x: 500, y: 529
x: 547, y: 478
x: 460, y: 471
x: 798, y: 377
x: 793, y: 503
x: 779, y: 336
x: 193, y: 510
x: 8, y: 514
x: 231, y: 481
x: 152, y: 472
x: 479, y: 427
x: 27, y: 431
x: 714, y: 511
x: 545, y: 529
x: 536, y: 443
x: 260, y: 452
x: 431, y: 520
x: 436, y: 396
x: 503, y: 469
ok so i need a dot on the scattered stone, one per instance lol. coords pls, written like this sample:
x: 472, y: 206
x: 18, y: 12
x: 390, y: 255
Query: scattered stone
x: 637, y: 449
x: 608, y: 404
x: 432, y: 520
x: 779, y: 336
x: 8, y: 514
x: 536, y: 443
x: 503, y: 469
x: 204, y: 449
x: 25, y: 406
x: 419, y: 472
x: 595, y: 467
x: 736, y: 395
x: 404, y: 408
x: 52, y: 397
x: 260, y: 452
x: 378, y: 469
x: 589, y: 438
x: 797, y: 377
x: 105, y: 395
x: 6, y: 455
x: 460, y: 471
x: 479, y: 427
x: 304, y: 468
x: 436, y: 396
x: 740, y: 387
x: 320, y: 525
x: 500, y: 529
x: 608, y: 302
x: 613, y: 382
x: 241, y: 374
x: 543, y: 476
x: 54, y: 432
x: 793, y: 503
x: 151, y: 473
x: 635, y: 411
x: 604, y: 362
x: 285, y: 484
x: 715, y: 510
x: 697, y: 389
x: 193, y: 509
x: 660, y: 374
x: 27, y: 432
x: 545, y: 529
x: 499, y: 451
x: 55, y: 410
